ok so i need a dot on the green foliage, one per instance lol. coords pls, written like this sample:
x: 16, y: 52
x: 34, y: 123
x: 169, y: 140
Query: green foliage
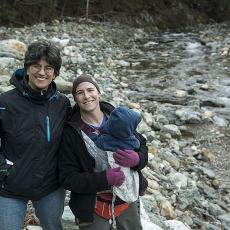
x: 7, y: 12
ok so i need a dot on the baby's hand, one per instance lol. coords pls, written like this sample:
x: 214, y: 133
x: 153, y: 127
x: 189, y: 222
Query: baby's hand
x: 126, y: 158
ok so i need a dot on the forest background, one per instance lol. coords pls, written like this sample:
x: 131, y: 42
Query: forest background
x: 151, y: 14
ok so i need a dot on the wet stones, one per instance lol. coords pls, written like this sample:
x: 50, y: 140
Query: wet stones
x: 171, y: 79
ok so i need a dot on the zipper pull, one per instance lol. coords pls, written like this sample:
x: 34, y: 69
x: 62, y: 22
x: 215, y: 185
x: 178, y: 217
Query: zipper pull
x: 48, y: 128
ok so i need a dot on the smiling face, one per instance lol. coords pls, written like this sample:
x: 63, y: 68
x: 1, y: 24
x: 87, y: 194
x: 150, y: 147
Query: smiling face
x: 87, y: 97
x: 40, y: 75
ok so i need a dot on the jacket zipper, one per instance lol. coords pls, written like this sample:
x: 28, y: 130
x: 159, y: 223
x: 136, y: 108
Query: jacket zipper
x: 48, y: 128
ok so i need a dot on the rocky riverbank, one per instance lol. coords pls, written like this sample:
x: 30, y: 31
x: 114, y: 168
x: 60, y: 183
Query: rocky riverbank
x: 180, y: 84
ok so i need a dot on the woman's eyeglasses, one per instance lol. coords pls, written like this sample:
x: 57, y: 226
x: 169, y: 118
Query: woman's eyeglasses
x: 37, y: 68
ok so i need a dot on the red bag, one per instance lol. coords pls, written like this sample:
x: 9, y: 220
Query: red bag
x: 104, y: 207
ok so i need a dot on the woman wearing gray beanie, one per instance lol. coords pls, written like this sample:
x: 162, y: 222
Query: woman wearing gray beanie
x: 92, y: 200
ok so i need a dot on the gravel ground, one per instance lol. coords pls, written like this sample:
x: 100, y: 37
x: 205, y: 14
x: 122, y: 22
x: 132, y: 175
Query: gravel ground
x: 217, y: 141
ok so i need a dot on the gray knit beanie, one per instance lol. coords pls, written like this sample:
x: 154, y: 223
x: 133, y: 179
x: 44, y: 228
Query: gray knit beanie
x: 83, y: 78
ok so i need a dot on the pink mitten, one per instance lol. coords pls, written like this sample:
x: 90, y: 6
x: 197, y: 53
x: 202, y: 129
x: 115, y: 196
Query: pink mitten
x: 115, y: 176
x: 126, y: 158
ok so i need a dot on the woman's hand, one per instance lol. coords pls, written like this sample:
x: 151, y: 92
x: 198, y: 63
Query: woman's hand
x: 126, y: 158
x: 115, y: 176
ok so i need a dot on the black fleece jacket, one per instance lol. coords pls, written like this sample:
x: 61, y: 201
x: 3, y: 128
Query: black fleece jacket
x: 31, y: 125
x: 76, y: 167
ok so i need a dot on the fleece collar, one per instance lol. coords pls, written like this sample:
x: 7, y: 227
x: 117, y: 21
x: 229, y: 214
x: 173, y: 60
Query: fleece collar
x: 20, y: 80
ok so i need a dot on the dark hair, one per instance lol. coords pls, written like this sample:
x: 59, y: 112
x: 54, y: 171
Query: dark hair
x: 43, y: 49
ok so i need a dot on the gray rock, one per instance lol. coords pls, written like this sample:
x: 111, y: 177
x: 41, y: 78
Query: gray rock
x: 225, y: 219
x: 171, y: 129
x: 219, y: 121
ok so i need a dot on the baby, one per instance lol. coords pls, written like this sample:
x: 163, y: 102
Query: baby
x: 118, y: 140
x: 118, y: 131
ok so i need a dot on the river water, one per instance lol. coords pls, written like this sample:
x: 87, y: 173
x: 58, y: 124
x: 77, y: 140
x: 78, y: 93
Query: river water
x: 195, y: 61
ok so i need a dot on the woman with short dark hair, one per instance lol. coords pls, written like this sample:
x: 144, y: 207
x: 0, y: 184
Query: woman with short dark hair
x: 32, y: 116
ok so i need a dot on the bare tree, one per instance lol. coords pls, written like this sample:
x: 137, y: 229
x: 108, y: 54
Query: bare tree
x: 87, y: 9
